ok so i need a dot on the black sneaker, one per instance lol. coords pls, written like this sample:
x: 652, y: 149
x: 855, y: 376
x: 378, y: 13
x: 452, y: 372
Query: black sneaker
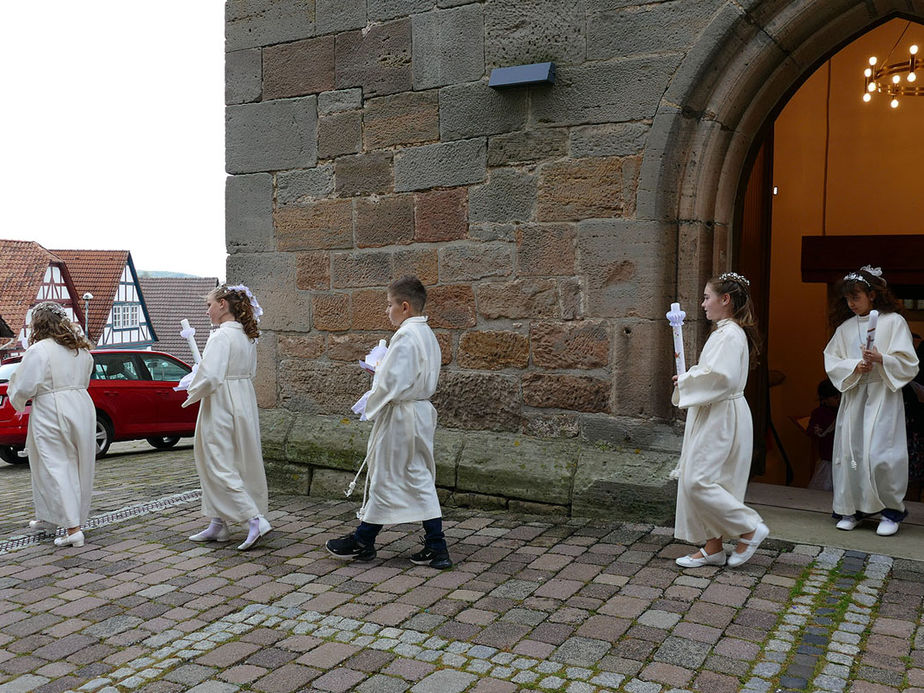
x: 435, y: 559
x: 348, y: 547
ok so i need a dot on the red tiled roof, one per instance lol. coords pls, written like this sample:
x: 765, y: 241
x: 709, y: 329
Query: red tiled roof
x: 22, y: 268
x: 169, y: 300
x: 96, y: 271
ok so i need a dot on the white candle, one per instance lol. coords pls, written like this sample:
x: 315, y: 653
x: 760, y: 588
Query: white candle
x: 189, y: 333
x: 675, y: 317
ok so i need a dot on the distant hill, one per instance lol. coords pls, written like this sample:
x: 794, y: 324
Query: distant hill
x: 157, y: 274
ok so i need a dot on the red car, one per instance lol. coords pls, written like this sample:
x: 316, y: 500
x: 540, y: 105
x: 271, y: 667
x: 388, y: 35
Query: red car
x: 134, y: 397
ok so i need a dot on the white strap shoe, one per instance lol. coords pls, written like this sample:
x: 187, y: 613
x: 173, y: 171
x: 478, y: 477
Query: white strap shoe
x: 737, y: 558
x: 258, y: 526
x: 694, y: 560
x: 75, y: 539
x: 216, y: 531
x: 42, y: 526
x: 847, y: 523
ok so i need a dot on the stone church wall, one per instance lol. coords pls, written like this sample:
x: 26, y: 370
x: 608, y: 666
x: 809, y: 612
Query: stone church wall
x: 363, y: 143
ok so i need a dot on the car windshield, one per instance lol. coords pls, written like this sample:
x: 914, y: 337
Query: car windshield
x: 7, y: 370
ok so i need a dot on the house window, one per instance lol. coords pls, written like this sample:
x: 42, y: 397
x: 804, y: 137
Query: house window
x: 125, y: 317
x: 130, y: 315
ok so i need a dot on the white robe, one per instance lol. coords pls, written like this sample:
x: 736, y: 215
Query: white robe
x: 870, y: 465
x: 62, y: 430
x: 715, y: 460
x: 228, y: 455
x: 400, y: 470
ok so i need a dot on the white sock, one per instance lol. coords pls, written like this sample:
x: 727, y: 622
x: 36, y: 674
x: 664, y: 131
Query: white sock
x: 253, y: 530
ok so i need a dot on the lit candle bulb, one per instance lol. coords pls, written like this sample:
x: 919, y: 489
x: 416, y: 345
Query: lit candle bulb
x: 872, y: 60
x: 896, y: 79
x: 867, y: 72
x: 867, y: 97
x: 871, y: 86
x: 914, y: 49
x: 894, y: 103
x: 912, y: 76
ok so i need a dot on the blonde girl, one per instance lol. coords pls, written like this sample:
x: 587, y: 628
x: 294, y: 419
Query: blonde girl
x: 61, y: 442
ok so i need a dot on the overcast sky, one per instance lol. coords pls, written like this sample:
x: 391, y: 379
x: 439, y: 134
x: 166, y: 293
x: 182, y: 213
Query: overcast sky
x: 113, y: 135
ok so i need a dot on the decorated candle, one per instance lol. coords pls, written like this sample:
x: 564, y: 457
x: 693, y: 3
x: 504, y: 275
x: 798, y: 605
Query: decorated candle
x: 675, y: 317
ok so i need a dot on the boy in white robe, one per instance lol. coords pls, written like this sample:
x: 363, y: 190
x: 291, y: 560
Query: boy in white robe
x: 61, y: 442
x: 400, y: 470
x: 870, y: 461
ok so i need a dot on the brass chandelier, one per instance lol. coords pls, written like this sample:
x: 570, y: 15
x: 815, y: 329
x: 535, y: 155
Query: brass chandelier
x: 893, y: 80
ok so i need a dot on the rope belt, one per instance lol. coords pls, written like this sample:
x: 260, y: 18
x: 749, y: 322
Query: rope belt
x: 59, y: 389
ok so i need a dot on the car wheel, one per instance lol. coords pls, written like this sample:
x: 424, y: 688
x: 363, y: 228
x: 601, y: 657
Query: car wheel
x: 10, y: 454
x: 163, y: 442
x: 103, y: 435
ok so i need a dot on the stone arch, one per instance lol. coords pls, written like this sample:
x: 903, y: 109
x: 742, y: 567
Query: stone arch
x: 730, y: 85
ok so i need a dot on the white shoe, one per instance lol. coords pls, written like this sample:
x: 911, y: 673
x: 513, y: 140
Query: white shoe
x: 216, y: 531
x: 887, y: 527
x: 75, y: 539
x: 258, y: 526
x: 693, y: 561
x: 735, y: 558
x: 42, y: 526
x: 847, y: 523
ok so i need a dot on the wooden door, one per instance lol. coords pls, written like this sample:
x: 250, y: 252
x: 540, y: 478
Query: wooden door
x: 751, y: 257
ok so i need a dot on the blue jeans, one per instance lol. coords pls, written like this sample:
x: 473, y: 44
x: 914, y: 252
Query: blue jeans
x: 434, y: 538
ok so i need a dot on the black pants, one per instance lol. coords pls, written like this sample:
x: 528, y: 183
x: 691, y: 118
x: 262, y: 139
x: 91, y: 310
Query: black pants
x: 894, y: 515
x: 433, y: 533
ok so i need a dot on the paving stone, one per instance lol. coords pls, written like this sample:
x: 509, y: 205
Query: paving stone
x: 190, y: 674
x: 214, y: 687
x: 444, y: 681
x: 383, y: 684
x: 682, y: 652
x: 581, y: 651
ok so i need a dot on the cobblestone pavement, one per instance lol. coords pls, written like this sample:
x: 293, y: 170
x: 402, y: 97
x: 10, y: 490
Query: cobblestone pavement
x: 533, y: 603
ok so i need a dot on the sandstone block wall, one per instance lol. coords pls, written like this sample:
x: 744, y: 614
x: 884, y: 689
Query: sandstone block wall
x: 364, y: 143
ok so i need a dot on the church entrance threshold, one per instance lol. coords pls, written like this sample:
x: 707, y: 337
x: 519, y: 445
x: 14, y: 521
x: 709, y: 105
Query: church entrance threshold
x: 803, y: 516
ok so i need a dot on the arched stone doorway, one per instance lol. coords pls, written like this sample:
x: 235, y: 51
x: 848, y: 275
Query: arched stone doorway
x: 713, y: 120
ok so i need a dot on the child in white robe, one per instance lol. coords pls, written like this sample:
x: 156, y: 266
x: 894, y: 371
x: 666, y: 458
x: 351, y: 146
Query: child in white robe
x: 400, y: 469
x: 229, y: 459
x: 870, y: 465
x: 715, y: 459
x: 61, y: 442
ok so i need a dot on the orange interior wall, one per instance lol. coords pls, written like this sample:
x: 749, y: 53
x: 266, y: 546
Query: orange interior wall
x: 873, y: 167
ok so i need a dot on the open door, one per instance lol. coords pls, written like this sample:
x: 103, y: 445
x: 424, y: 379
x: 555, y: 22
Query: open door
x: 751, y: 257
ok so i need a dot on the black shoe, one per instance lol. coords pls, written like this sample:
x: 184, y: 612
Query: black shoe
x: 348, y: 547
x: 435, y: 559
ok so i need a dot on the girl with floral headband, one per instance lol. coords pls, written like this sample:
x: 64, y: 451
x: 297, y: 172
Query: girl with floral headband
x: 229, y: 459
x: 54, y: 373
x: 715, y: 460
x: 870, y: 461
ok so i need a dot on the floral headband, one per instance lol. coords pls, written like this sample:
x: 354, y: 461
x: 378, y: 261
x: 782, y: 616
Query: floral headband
x: 257, y: 310
x: 869, y: 269
x: 734, y: 277
x: 51, y: 307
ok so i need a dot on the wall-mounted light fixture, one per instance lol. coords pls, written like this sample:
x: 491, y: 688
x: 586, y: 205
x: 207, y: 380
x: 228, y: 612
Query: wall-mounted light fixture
x: 518, y: 75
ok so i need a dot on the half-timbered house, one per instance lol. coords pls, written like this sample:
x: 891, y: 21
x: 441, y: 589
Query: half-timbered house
x: 30, y: 274
x: 117, y: 317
